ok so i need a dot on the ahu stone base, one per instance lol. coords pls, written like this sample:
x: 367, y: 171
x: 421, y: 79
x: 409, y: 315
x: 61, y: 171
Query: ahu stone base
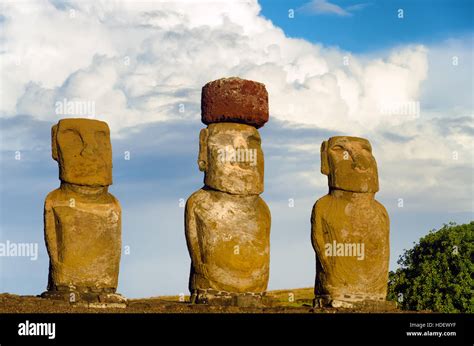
x: 89, y: 299
x: 221, y: 298
x: 354, y: 302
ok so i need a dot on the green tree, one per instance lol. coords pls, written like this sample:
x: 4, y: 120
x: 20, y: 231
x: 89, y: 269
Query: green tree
x: 437, y: 273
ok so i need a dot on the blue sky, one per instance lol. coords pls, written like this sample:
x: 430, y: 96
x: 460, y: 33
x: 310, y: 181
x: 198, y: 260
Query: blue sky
x: 376, y: 24
x: 141, y: 63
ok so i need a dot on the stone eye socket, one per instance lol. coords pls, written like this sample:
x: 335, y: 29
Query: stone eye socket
x: 100, y: 135
x: 337, y: 147
x: 67, y: 131
x: 220, y: 138
x: 71, y: 135
x: 254, y: 139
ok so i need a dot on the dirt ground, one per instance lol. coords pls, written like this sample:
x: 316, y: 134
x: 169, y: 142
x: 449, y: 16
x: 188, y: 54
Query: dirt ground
x: 281, y: 301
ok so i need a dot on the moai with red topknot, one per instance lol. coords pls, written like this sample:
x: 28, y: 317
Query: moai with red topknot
x: 227, y: 223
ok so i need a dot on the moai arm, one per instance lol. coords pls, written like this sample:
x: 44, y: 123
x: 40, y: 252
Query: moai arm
x: 317, y: 237
x: 385, y: 215
x: 192, y: 240
x: 386, y: 220
x: 50, y: 230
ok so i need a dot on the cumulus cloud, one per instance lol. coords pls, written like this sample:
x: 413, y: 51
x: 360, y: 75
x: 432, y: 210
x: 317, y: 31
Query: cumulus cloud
x: 145, y: 62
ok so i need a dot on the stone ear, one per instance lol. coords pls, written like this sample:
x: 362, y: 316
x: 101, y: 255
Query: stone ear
x: 324, y: 158
x: 202, y: 158
x: 54, y: 143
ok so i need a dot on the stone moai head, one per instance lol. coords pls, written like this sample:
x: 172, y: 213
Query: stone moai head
x: 230, y: 152
x: 83, y: 151
x: 349, y: 164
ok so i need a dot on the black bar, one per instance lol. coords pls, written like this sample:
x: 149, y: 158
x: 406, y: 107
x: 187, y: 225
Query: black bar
x: 222, y: 329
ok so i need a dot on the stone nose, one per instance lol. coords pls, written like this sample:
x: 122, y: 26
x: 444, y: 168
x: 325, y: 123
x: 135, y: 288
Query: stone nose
x: 87, y: 150
x: 239, y: 143
x: 89, y: 147
x: 360, y: 160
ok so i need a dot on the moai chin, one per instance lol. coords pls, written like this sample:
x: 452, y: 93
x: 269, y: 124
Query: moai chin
x: 350, y: 229
x: 227, y: 224
x: 82, y: 220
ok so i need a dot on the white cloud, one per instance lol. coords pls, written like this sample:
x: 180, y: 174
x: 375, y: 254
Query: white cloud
x: 326, y: 7
x: 139, y: 61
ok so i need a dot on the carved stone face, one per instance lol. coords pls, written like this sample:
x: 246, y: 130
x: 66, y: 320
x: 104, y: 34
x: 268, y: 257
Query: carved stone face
x: 349, y: 164
x: 83, y: 150
x: 231, y: 156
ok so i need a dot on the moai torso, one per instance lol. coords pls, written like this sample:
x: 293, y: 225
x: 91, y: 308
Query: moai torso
x: 361, y: 272
x: 231, y: 236
x: 82, y: 221
x: 227, y: 224
x: 350, y: 229
x: 83, y: 237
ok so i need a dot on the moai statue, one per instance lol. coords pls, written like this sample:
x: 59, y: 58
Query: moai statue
x: 227, y: 224
x: 350, y: 229
x: 82, y: 221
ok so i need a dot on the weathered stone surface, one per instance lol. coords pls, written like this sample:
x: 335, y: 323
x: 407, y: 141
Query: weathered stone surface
x: 82, y: 221
x: 83, y: 151
x: 349, y: 164
x: 234, y: 100
x: 232, y: 158
x: 227, y: 224
x: 228, y: 238
x: 350, y: 229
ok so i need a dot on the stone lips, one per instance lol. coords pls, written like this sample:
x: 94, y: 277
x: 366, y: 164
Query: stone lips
x: 234, y: 100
